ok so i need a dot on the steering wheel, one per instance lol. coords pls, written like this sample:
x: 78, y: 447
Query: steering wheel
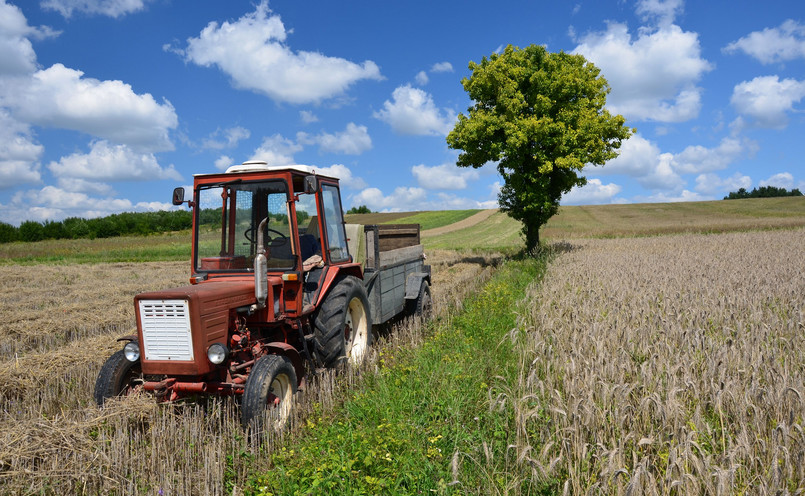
x: 248, y: 234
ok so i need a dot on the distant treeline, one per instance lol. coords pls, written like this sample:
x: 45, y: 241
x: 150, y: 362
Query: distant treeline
x: 103, y: 227
x: 762, y: 192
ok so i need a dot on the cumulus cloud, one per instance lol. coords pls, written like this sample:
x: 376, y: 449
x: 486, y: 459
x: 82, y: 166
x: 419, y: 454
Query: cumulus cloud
x: 353, y: 140
x: 111, y: 8
x: 17, y: 55
x: 422, y: 78
x: 253, y: 53
x: 653, y: 76
x: 276, y: 150
x: 710, y: 184
x: 308, y: 117
x: 698, y: 159
x: 226, y: 138
x: 445, y: 176
x: 413, y: 112
x: 19, y: 154
x: 53, y: 203
x: 594, y: 192
x: 780, y: 180
x: 767, y: 100
x: 61, y: 97
x: 401, y: 200
x: 442, y: 67
x: 343, y: 173
x: 224, y: 162
x: 780, y: 44
x: 662, y: 11
x: 642, y: 160
x: 108, y: 162
x: 683, y: 196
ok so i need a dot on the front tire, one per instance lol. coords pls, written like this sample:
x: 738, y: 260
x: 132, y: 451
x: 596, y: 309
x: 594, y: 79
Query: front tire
x: 342, y: 326
x: 118, y: 377
x: 422, y: 307
x: 271, y: 387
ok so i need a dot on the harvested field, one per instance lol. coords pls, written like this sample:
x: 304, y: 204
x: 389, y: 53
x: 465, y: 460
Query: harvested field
x: 61, y: 324
x: 666, y: 365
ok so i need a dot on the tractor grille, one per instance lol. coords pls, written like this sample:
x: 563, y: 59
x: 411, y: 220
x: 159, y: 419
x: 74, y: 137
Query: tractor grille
x: 166, y: 330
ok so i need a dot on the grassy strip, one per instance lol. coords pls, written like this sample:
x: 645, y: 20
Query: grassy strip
x: 438, y: 218
x: 423, y: 421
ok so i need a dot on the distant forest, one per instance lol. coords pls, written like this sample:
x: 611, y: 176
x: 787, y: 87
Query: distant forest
x: 762, y: 192
x: 103, y: 227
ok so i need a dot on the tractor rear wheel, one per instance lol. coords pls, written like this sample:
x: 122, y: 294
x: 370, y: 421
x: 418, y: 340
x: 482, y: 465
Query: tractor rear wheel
x: 271, y: 387
x: 118, y: 377
x: 342, y: 326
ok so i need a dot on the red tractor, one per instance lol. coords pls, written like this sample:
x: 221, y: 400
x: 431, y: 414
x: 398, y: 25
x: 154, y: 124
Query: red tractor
x: 280, y: 286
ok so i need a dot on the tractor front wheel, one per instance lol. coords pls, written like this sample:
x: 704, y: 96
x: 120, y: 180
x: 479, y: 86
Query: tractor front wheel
x: 271, y: 386
x: 343, y: 326
x: 118, y: 377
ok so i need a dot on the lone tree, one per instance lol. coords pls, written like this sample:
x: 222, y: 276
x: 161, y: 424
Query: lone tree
x: 541, y: 116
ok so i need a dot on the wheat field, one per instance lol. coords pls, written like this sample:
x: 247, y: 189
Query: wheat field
x: 666, y: 365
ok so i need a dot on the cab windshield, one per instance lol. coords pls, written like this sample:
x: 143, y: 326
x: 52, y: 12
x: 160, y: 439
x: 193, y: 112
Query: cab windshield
x: 228, y: 216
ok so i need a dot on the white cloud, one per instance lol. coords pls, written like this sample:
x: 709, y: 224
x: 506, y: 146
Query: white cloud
x: 108, y: 162
x: 766, y: 100
x: 642, y: 160
x: 308, y: 117
x: 698, y: 159
x: 111, y: 8
x: 252, y: 52
x: 664, y: 11
x: 684, y: 196
x: 353, y: 140
x: 60, y: 97
x: 594, y: 192
x: 654, y: 76
x: 401, y: 200
x: 343, y: 173
x: 442, y: 67
x: 276, y: 150
x: 17, y: 55
x: 780, y: 44
x: 780, y: 180
x: 421, y: 78
x: 711, y: 184
x: 445, y: 176
x: 19, y: 154
x: 226, y: 138
x: 78, y: 185
x: 413, y: 112
x: 224, y: 162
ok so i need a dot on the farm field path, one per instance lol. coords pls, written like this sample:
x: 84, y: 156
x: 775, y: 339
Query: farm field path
x: 462, y: 224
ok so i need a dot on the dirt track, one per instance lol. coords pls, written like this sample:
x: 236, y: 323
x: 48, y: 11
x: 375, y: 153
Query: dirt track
x: 462, y: 224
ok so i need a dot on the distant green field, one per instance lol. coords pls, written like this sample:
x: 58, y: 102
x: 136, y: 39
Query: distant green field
x: 499, y: 232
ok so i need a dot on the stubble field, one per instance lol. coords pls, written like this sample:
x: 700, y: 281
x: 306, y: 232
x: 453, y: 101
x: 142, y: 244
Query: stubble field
x: 59, y: 325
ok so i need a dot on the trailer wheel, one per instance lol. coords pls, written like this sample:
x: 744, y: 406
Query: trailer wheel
x: 271, y: 386
x: 118, y: 377
x: 422, y: 306
x: 342, y: 326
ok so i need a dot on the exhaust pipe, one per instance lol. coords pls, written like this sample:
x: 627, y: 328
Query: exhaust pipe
x: 260, y: 269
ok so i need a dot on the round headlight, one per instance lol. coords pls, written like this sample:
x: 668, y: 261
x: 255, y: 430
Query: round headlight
x: 216, y: 353
x: 132, y: 351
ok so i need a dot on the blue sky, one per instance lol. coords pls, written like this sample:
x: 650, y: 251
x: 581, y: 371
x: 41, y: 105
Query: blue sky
x: 107, y: 105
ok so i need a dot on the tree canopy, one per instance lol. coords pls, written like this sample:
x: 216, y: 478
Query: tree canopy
x: 541, y: 117
x: 762, y: 192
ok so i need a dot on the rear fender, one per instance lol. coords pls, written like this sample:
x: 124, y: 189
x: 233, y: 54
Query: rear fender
x: 413, y: 283
x: 336, y: 271
x: 286, y: 350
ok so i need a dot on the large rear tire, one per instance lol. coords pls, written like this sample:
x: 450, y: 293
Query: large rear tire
x: 271, y: 387
x: 118, y: 377
x: 343, y: 326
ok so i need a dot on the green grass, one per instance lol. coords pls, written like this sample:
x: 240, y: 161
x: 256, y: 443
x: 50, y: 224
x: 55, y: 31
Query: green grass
x: 437, y: 218
x: 398, y: 433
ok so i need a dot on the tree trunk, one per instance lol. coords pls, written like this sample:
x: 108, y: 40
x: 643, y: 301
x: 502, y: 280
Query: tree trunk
x: 531, y: 239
